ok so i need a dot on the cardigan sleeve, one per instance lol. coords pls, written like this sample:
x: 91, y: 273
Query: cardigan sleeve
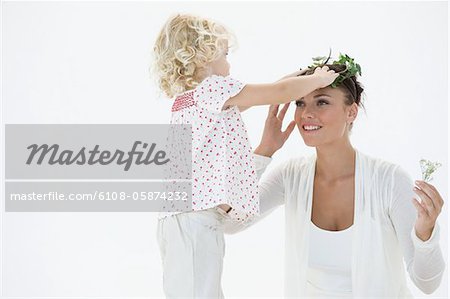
x: 271, y: 188
x: 271, y: 194
x: 424, y: 260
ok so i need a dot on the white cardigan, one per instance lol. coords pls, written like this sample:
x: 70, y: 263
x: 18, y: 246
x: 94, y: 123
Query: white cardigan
x: 384, y: 235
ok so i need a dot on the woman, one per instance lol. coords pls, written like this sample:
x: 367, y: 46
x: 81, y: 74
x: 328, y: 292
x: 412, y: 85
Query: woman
x: 350, y: 221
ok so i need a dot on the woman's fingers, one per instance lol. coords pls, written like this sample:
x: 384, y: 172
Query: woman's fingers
x: 289, y: 130
x: 283, y: 111
x: 431, y: 191
x: 420, y: 209
x: 426, y: 200
x: 273, y: 110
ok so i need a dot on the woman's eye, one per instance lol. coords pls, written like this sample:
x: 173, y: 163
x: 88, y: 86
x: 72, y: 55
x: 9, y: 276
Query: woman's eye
x: 299, y: 104
x: 321, y: 102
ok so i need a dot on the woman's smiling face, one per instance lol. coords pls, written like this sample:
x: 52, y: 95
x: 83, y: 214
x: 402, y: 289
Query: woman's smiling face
x: 324, y: 117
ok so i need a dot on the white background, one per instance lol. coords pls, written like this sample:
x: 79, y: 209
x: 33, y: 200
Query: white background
x: 87, y: 62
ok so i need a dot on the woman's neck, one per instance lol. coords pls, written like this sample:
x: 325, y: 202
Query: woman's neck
x: 335, y: 161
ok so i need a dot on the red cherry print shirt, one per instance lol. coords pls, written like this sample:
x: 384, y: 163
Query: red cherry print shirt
x: 223, y: 170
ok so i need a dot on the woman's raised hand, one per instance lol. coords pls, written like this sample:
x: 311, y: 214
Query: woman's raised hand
x: 273, y: 137
x: 428, y: 209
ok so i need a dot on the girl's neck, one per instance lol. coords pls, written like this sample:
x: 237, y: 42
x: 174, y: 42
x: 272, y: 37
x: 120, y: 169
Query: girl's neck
x: 335, y: 161
x: 203, y: 74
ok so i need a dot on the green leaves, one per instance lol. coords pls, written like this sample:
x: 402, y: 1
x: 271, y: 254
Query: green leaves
x: 428, y: 168
x: 351, y: 67
x: 318, y: 61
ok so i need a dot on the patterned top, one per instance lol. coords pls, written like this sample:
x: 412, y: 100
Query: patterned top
x: 223, y: 170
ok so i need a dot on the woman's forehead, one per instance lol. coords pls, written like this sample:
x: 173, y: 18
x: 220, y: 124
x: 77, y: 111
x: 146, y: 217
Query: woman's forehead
x: 332, y: 92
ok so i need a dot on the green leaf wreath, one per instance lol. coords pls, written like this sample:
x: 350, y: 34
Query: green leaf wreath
x: 351, y: 67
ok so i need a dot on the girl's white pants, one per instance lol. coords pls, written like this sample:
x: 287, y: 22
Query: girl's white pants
x: 192, y: 250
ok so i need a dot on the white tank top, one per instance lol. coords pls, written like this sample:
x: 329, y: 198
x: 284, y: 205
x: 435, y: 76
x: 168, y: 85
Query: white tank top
x: 329, y: 264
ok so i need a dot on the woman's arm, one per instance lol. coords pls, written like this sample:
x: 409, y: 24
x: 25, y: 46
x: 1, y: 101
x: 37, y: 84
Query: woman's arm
x: 271, y: 188
x: 282, y: 91
x: 271, y: 194
x: 423, y: 258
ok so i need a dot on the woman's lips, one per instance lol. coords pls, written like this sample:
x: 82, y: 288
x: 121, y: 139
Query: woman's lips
x: 311, y: 128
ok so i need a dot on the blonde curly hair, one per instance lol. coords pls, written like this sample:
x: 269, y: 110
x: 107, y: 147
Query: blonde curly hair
x: 183, y: 48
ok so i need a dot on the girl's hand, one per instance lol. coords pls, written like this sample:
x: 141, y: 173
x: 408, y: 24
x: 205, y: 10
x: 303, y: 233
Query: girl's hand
x: 428, y: 209
x: 325, y: 76
x: 273, y: 138
x: 295, y: 74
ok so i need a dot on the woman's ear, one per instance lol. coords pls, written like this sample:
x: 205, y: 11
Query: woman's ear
x: 352, y: 113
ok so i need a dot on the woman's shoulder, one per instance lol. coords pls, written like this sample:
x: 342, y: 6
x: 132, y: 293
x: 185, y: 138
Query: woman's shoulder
x: 296, y: 165
x: 375, y: 161
x: 380, y: 167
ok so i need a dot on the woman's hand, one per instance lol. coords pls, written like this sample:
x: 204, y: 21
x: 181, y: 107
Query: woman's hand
x: 273, y: 138
x: 428, y: 210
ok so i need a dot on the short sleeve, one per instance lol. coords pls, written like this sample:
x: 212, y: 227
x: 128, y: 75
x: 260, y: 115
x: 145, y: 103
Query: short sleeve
x: 214, y: 91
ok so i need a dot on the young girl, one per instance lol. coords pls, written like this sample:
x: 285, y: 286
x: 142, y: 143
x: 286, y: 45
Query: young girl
x: 191, y: 65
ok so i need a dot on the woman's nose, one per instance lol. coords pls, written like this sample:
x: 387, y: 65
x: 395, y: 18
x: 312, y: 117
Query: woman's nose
x: 307, y: 113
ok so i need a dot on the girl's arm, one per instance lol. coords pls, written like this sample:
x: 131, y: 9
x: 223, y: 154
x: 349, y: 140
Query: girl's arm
x: 294, y: 74
x: 243, y: 108
x: 282, y: 91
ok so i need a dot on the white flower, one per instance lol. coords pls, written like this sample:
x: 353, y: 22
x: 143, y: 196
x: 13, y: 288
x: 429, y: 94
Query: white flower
x: 428, y: 168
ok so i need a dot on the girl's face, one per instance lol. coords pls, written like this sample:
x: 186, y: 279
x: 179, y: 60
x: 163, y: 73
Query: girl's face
x: 322, y: 117
x: 220, y: 66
